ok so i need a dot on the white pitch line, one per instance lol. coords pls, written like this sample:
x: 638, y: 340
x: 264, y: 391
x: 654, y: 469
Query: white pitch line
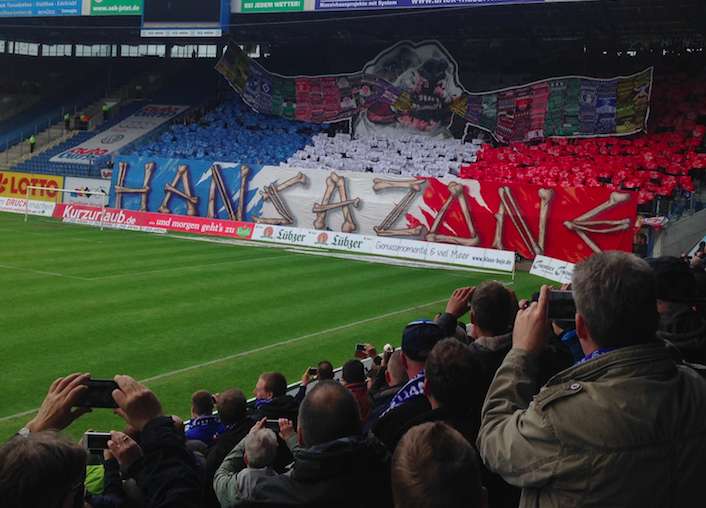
x: 184, y: 268
x: 41, y: 272
x: 256, y: 350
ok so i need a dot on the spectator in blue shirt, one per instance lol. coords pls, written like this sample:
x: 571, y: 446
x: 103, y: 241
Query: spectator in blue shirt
x: 204, y: 425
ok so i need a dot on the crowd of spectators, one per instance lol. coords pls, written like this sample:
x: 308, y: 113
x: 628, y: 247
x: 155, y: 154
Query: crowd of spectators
x: 512, y: 409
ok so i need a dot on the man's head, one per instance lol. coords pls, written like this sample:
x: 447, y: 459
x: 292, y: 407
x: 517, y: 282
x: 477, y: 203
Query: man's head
x: 453, y: 377
x: 325, y: 370
x: 270, y: 385
x: 201, y: 403
x: 675, y: 281
x: 616, y: 301
x: 328, y: 412
x: 232, y: 406
x: 260, y: 448
x: 418, y: 339
x: 43, y: 469
x: 435, y: 467
x: 395, y: 374
x: 493, y: 310
x: 353, y: 372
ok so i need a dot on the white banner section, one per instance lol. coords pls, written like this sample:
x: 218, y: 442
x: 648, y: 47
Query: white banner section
x: 121, y: 134
x: 81, y: 191
x: 19, y: 205
x: 552, y: 269
x: 482, y: 259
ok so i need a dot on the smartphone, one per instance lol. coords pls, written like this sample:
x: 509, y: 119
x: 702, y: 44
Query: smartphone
x: 561, y: 306
x: 273, y: 425
x: 96, y: 440
x: 99, y: 394
x: 313, y: 371
x: 360, y: 348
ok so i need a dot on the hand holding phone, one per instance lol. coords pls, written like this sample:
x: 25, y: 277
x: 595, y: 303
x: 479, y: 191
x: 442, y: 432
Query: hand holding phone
x: 99, y: 394
x: 96, y: 440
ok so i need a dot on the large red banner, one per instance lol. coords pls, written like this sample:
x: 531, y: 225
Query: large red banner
x: 564, y: 223
x: 148, y: 221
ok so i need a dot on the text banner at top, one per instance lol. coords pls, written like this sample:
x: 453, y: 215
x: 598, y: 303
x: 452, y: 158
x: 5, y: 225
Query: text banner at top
x: 46, y: 8
x: 259, y: 6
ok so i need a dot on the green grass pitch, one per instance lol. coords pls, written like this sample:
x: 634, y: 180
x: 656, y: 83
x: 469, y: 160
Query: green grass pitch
x: 187, y: 315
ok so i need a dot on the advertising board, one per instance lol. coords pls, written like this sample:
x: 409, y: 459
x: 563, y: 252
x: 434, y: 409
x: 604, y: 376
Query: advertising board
x: 121, y: 134
x: 14, y: 185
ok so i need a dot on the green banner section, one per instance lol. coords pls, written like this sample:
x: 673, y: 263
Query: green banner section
x: 272, y: 5
x: 116, y: 7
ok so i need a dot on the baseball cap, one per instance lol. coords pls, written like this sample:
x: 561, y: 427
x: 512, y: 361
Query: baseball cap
x: 419, y: 338
x: 675, y: 282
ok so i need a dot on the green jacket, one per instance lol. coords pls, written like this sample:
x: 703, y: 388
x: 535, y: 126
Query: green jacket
x: 627, y: 429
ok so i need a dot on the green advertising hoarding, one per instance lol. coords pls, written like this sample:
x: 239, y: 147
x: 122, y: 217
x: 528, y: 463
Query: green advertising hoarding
x: 271, y: 5
x: 116, y: 7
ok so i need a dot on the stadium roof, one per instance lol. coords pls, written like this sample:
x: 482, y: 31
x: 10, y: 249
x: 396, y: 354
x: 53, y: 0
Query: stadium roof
x: 617, y: 22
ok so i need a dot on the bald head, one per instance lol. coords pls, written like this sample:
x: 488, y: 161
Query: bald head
x: 395, y: 369
x: 328, y: 412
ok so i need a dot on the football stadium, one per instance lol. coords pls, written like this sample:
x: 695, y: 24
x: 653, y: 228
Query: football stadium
x: 352, y: 253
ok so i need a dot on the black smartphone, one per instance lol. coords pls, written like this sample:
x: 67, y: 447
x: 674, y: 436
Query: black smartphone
x: 360, y: 348
x: 561, y: 306
x: 96, y: 440
x: 313, y: 371
x: 99, y: 394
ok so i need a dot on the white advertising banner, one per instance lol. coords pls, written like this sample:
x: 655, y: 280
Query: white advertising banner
x: 80, y: 191
x: 488, y: 259
x: 121, y: 134
x: 552, y: 269
x: 20, y: 205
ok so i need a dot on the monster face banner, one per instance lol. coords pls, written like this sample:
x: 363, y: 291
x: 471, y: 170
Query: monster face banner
x: 563, y: 223
x: 415, y: 87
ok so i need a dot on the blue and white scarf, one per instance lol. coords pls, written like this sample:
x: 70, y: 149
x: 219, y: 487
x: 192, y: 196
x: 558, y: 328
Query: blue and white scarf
x: 413, y: 388
x: 596, y: 354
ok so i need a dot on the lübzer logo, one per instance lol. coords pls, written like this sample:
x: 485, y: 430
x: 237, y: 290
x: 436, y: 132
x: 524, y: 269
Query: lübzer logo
x: 109, y: 140
x: 322, y: 239
x: 269, y: 230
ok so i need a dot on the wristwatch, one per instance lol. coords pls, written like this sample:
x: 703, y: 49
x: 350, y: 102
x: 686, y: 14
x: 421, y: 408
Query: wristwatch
x: 23, y: 432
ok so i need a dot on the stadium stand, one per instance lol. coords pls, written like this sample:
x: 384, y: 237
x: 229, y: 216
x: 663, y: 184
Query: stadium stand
x: 41, y: 163
x: 230, y: 132
x: 602, y: 406
x: 412, y: 155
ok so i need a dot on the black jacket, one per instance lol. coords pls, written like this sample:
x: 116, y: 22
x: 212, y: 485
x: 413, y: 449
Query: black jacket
x: 685, y: 329
x: 167, y: 473
x: 346, y: 473
x: 284, y: 406
x: 287, y: 407
x: 388, y: 427
x: 222, y: 447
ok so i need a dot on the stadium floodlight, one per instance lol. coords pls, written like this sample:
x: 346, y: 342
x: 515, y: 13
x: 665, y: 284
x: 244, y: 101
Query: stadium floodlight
x: 45, y: 208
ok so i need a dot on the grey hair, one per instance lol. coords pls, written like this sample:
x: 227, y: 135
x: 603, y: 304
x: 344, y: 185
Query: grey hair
x: 616, y: 294
x: 261, y: 448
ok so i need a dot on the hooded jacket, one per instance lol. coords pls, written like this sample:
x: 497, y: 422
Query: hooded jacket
x: 625, y: 429
x: 348, y: 472
x: 685, y: 329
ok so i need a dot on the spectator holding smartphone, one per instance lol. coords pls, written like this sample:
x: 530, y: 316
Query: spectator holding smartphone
x: 625, y: 417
